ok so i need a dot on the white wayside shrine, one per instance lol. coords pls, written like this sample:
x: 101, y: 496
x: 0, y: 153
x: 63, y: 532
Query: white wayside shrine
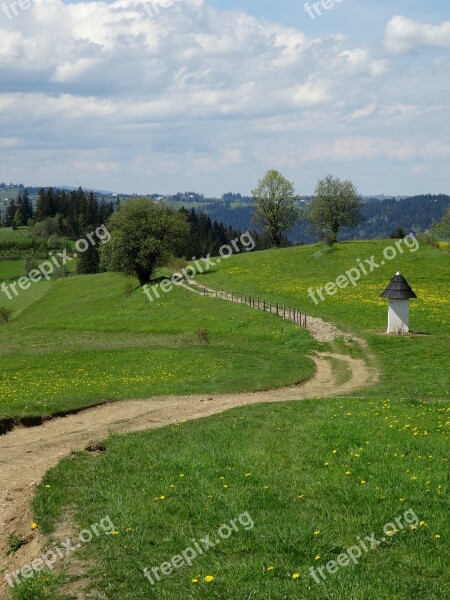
x: 399, y: 294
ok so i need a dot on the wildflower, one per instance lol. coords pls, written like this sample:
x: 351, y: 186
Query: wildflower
x: 317, y: 557
x: 295, y: 575
x: 363, y: 482
x: 317, y: 532
x: 348, y: 472
x: 208, y: 578
x: 194, y: 580
x: 34, y: 525
x: 270, y: 568
x: 437, y: 537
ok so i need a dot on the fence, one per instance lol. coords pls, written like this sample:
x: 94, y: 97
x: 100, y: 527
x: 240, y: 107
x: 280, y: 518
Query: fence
x: 281, y: 310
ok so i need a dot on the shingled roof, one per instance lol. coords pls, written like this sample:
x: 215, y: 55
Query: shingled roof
x: 398, y: 289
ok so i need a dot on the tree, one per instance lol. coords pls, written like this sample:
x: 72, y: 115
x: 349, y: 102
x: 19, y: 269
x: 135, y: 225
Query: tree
x: 10, y: 213
x: 336, y: 204
x: 25, y: 206
x: 144, y: 236
x: 275, y: 209
x: 442, y: 228
x: 89, y: 261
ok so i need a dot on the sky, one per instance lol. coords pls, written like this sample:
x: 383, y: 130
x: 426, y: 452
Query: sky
x: 161, y: 96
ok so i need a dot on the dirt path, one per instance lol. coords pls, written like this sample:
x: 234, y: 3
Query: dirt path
x: 27, y: 453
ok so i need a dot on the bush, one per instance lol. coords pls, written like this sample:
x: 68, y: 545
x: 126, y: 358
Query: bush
x: 203, y: 336
x: 29, y: 264
x: 128, y: 289
x: 5, y: 315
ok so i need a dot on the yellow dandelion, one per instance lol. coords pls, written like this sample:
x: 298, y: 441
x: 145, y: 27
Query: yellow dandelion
x: 295, y: 575
x: 270, y: 568
x: 208, y: 578
x: 34, y: 525
x: 317, y: 532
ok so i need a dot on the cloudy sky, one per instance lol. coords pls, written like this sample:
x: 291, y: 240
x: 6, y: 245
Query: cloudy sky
x: 206, y: 95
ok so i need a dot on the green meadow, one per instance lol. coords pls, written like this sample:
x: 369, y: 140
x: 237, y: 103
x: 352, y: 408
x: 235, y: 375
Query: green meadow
x: 10, y: 270
x: 7, y: 234
x: 416, y: 367
x: 315, y: 476
x: 80, y: 341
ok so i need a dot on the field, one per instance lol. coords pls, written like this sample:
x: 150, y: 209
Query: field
x: 9, y: 270
x: 85, y: 342
x: 13, y: 235
x: 313, y: 477
x: 406, y: 362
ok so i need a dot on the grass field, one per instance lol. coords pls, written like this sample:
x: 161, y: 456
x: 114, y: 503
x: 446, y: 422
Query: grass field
x: 406, y: 363
x: 73, y: 344
x: 313, y: 476
x: 10, y: 269
x: 13, y: 235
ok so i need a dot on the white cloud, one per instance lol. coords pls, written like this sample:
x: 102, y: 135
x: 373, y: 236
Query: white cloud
x: 194, y: 96
x: 403, y: 34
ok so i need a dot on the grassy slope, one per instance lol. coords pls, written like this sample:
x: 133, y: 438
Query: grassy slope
x: 75, y: 346
x: 279, y: 465
x: 13, y: 235
x: 406, y: 363
x: 391, y: 445
x: 9, y: 269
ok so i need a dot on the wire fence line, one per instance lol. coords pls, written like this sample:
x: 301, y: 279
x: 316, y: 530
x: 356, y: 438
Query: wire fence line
x: 281, y: 310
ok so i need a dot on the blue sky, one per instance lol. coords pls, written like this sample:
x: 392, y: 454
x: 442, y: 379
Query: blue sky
x: 206, y: 95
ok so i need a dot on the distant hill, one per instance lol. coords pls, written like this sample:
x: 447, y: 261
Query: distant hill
x: 381, y: 217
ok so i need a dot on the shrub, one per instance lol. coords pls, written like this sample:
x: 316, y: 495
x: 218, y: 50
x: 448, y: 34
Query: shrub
x: 128, y: 289
x: 203, y: 336
x: 5, y: 315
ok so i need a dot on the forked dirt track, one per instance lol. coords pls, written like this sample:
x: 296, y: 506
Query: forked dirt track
x: 27, y: 453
